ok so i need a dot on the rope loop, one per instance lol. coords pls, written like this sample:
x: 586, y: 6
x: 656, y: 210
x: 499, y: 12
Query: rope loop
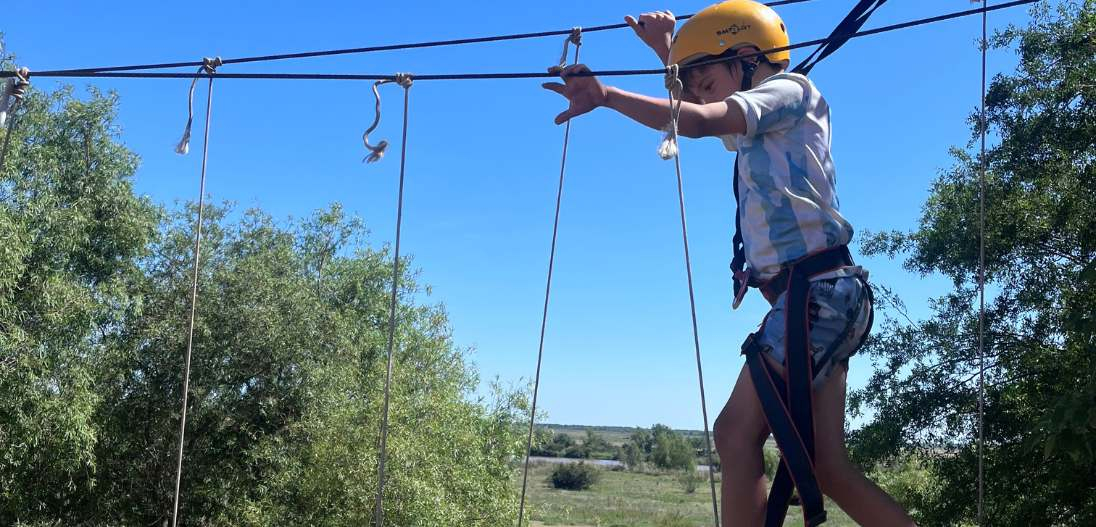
x: 673, y: 82
x: 376, y: 152
x: 209, y: 66
x: 668, y: 148
x: 574, y: 38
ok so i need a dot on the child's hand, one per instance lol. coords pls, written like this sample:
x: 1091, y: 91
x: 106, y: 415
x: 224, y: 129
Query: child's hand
x: 583, y: 93
x: 656, y: 30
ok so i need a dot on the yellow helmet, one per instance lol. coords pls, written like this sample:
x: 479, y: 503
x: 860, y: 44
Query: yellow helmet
x: 730, y: 25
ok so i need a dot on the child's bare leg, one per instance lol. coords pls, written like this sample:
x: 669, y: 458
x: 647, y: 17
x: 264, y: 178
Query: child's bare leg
x: 740, y: 433
x: 842, y: 481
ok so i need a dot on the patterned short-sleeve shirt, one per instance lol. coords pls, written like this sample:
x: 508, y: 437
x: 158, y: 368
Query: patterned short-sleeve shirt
x: 787, y: 192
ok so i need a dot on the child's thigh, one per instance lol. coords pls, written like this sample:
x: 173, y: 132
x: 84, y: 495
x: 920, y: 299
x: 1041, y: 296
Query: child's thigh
x: 742, y: 416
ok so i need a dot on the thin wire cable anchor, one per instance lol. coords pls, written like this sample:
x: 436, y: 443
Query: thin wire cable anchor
x: 405, y: 81
x: 574, y: 38
x: 11, y: 95
x: 377, y: 152
x: 670, y: 149
x: 209, y: 65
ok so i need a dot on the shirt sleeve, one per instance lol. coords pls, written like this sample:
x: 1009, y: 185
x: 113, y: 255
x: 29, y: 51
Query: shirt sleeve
x: 777, y: 104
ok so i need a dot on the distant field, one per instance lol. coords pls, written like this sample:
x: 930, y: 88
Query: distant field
x: 628, y: 499
x: 615, y: 435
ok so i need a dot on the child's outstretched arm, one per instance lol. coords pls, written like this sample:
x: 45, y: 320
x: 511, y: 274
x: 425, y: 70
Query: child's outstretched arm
x: 585, y: 93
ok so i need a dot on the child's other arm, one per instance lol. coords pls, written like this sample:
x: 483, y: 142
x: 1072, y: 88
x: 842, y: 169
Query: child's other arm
x: 655, y: 29
x: 584, y: 93
x: 695, y: 120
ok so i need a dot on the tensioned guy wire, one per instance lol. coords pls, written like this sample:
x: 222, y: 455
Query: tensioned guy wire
x: 508, y: 75
x: 387, y: 47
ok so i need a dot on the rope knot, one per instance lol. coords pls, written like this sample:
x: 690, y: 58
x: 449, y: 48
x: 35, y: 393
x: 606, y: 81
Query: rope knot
x: 672, y: 80
x: 574, y: 38
x: 12, y: 91
x: 668, y: 148
x: 210, y: 64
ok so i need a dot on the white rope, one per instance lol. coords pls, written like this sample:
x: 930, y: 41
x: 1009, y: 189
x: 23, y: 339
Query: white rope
x: 209, y: 65
x: 377, y: 152
x: 668, y: 149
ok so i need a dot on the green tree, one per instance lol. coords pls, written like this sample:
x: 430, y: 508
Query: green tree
x: 71, y: 232
x: 1040, y: 334
x: 670, y: 450
x: 289, y: 358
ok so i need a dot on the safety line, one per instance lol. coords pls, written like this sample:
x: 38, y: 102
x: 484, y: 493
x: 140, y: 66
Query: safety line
x: 387, y: 47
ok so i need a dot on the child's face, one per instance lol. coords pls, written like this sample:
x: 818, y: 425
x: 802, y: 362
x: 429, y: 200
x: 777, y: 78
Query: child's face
x: 712, y: 83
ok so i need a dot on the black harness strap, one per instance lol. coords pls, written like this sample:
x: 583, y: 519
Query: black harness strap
x: 788, y: 404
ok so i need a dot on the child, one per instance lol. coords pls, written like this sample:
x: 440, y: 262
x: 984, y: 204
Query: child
x: 794, y: 241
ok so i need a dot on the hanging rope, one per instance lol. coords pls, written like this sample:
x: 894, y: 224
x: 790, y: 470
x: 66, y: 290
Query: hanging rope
x: 576, y: 39
x: 209, y: 66
x: 10, y: 96
x: 982, y: 281
x: 375, y: 152
x: 404, y: 80
x: 675, y: 89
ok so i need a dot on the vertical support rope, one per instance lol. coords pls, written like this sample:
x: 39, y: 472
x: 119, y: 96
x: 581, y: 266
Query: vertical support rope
x: 405, y: 81
x: 576, y: 38
x: 982, y: 281
x: 210, y: 68
x: 675, y: 88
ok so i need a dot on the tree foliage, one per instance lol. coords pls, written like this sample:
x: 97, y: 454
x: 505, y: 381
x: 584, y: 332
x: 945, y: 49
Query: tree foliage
x: 1040, y: 335
x: 288, y: 363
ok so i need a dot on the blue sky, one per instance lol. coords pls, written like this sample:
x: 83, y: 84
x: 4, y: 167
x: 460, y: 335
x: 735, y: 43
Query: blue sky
x: 483, y: 164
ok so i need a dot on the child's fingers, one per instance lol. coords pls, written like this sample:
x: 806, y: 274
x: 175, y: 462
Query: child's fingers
x: 556, y: 87
x: 632, y: 23
x: 565, y: 116
x: 573, y: 69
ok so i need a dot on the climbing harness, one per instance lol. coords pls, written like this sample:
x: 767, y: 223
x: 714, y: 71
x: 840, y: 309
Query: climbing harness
x: 405, y: 81
x: 675, y: 89
x: 209, y: 65
x: 787, y: 401
x: 11, y: 94
x: 574, y: 38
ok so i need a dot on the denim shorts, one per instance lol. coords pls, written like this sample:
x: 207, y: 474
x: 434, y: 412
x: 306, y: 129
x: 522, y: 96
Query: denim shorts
x: 839, y: 315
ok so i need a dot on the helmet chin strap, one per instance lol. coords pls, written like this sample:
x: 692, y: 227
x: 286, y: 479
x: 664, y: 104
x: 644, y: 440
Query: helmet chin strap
x: 748, y: 69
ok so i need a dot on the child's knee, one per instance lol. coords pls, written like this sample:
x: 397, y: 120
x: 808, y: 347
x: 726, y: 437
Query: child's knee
x: 734, y: 435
